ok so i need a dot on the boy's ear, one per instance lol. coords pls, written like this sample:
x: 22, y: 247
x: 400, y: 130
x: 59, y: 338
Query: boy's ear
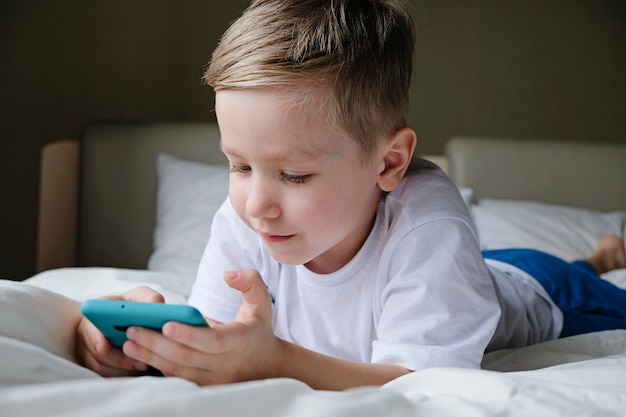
x: 397, y: 156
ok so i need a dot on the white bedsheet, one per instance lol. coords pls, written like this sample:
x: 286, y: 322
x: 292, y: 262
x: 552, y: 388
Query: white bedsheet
x: 583, y: 375
x: 41, y: 384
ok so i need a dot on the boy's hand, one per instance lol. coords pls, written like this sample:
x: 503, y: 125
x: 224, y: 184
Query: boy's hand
x: 95, y: 352
x: 242, y: 350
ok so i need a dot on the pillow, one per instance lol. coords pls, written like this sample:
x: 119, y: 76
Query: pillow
x: 37, y: 336
x: 102, y: 281
x: 38, y: 316
x: 567, y: 232
x: 467, y: 194
x: 188, y: 195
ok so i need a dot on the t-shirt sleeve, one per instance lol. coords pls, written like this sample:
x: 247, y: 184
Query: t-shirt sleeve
x: 439, y: 306
x: 230, y: 247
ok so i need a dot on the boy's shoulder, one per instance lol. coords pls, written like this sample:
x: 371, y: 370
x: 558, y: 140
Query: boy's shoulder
x: 426, y: 194
x: 424, y: 179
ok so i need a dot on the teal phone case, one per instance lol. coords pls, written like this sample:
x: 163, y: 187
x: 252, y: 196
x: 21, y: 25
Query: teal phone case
x: 113, y: 317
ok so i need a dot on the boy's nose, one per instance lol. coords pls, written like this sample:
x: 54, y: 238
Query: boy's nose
x: 261, y: 200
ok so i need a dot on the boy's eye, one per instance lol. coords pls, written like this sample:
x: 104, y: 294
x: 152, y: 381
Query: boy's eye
x: 296, y: 179
x: 292, y: 178
x: 239, y: 169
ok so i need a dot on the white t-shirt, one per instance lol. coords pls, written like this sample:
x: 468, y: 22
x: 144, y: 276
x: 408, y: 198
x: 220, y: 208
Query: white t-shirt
x: 418, y: 293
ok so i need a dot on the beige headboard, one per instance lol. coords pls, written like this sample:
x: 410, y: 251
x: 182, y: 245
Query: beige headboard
x: 116, y: 191
x: 125, y: 154
x: 582, y: 174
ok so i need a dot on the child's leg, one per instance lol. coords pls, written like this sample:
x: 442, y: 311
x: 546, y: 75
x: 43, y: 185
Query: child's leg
x: 588, y: 302
x: 610, y: 254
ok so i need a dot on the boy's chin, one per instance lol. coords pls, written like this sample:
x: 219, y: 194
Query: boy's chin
x: 289, y: 258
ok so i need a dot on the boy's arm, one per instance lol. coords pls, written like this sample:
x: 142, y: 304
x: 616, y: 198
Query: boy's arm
x: 328, y: 373
x: 317, y: 370
x: 247, y: 349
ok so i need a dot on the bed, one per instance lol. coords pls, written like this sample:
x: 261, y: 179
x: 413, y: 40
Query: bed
x: 131, y: 203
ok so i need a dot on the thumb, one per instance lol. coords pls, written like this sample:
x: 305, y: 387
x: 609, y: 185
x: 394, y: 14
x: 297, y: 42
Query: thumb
x: 257, y: 303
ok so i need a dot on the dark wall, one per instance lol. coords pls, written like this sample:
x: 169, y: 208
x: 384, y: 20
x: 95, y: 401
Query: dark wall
x: 65, y: 62
x: 537, y: 68
x: 544, y: 68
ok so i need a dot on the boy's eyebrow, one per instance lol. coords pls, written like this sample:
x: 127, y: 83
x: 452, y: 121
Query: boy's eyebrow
x: 291, y: 156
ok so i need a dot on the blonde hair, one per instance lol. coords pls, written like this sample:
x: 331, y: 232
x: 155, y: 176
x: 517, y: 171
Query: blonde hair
x: 360, y: 51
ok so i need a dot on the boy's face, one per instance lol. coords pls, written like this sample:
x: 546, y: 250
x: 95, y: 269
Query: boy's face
x: 295, y: 180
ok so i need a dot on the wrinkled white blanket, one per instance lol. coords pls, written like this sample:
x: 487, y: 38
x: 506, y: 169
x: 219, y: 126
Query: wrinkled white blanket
x: 583, y: 375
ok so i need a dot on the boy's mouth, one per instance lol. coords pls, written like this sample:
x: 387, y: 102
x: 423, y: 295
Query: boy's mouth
x: 271, y: 238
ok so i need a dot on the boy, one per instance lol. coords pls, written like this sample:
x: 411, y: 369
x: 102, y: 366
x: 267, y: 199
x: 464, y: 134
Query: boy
x: 347, y: 262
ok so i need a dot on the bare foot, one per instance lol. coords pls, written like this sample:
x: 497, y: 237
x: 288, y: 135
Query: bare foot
x: 609, y: 254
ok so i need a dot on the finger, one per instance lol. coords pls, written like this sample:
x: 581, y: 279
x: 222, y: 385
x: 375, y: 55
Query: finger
x: 257, y: 303
x: 169, y: 367
x: 107, y: 370
x: 143, y: 294
x: 96, y: 353
x: 177, y: 360
x: 169, y: 357
x: 208, y: 340
x: 93, y: 340
x: 144, y: 343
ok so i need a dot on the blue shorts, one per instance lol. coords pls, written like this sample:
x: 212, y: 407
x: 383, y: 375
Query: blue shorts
x: 588, y: 302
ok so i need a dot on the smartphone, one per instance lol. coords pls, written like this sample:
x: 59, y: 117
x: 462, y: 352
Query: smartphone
x: 113, y: 317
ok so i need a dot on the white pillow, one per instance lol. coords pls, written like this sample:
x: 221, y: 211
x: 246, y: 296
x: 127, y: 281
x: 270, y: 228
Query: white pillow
x: 189, y: 193
x: 567, y: 232
x: 467, y: 194
x: 38, y: 316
